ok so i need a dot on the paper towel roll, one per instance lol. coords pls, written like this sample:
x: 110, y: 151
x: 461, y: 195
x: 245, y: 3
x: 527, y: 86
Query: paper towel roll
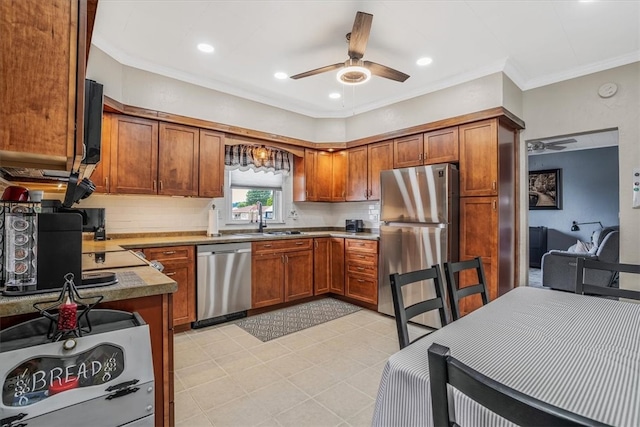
x: 212, y: 228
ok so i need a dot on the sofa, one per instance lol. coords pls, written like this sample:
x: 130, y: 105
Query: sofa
x: 559, y: 267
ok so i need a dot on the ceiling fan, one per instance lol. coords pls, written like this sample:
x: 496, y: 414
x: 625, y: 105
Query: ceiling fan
x: 354, y: 70
x: 552, y: 145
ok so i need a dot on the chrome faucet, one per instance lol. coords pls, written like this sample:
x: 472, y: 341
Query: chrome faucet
x: 261, y: 225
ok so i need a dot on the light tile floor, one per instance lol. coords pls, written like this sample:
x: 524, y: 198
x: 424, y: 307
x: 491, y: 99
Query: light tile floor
x: 327, y: 375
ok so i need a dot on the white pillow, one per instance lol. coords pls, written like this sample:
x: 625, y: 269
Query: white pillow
x: 583, y: 247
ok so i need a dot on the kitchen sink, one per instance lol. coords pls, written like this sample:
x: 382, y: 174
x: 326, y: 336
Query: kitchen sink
x: 271, y: 233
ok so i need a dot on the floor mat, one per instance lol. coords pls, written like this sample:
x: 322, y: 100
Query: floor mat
x: 275, y: 324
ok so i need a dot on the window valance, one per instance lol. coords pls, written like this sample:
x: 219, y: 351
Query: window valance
x: 259, y: 158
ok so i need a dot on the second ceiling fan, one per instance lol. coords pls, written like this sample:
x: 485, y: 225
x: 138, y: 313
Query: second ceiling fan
x: 354, y: 70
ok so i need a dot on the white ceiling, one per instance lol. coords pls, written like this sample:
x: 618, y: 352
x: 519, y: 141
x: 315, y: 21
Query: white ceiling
x: 534, y: 42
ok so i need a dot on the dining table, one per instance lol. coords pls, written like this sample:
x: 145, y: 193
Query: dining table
x: 580, y: 353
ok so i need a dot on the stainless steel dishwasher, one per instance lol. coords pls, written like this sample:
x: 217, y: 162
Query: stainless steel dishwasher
x: 223, y: 282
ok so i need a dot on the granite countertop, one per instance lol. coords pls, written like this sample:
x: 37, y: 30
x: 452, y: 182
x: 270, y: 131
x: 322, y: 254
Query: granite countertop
x: 141, y: 242
x: 133, y: 282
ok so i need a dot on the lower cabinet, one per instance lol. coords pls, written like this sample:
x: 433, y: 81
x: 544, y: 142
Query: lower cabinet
x: 361, y: 275
x: 328, y: 265
x: 282, y: 270
x: 179, y: 264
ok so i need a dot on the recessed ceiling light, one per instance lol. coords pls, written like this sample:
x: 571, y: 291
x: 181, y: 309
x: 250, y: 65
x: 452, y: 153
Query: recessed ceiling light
x: 206, y: 48
x: 424, y: 61
x: 280, y: 75
x: 334, y: 95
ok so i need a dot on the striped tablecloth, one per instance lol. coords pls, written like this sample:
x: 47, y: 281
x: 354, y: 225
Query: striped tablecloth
x: 577, y: 352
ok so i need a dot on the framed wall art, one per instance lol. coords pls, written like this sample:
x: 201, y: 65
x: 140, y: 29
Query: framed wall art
x: 545, y: 189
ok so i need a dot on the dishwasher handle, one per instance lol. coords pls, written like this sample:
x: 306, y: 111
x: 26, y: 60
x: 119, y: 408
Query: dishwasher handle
x: 236, y: 251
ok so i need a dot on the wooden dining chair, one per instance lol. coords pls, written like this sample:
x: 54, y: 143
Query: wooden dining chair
x: 583, y: 287
x: 505, y: 401
x: 404, y: 314
x: 456, y: 293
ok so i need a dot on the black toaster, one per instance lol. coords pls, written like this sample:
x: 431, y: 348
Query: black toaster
x: 354, y: 225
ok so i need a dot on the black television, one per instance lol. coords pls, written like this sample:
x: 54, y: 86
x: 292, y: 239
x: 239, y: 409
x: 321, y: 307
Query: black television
x: 93, y: 104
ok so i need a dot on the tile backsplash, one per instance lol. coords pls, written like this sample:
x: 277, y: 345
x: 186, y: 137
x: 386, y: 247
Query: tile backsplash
x: 137, y: 214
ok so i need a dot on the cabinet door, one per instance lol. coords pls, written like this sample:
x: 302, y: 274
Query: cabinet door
x: 441, y: 146
x: 357, y: 186
x: 298, y: 276
x: 178, y: 152
x: 337, y: 266
x: 362, y: 288
x: 310, y: 162
x: 267, y: 277
x: 211, y: 164
x: 478, y: 237
x: 339, y: 178
x: 380, y: 157
x: 324, y: 174
x: 100, y: 176
x: 38, y: 65
x: 321, y: 265
x: 184, y: 299
x: 134, y: 155
x: 479, y: 158
x: 407, y: 151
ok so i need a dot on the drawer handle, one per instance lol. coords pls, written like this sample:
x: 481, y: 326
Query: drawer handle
x: 360, y: 268
x: 300, y: 243
x: 266, y: 246
x: 360, y: 244
x: 168, y: 252
x: 173, y: 273
x: 360, y: 280
x: 361, y: 256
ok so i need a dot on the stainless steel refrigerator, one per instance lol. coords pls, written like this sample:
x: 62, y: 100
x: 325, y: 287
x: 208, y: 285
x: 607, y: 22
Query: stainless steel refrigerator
x: 419, y: 211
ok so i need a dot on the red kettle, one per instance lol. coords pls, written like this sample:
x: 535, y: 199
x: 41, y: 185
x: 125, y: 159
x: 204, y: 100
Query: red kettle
x: 15, y: 193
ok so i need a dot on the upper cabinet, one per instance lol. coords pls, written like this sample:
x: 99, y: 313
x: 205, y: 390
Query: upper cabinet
x: 364, y: 164
x: 479, y: 158
x: 319, y: 177
x: 142, y: 156
x: 41, y: 101
x: 211, y: 169
x: 439, y: 146
x: 178, y: 152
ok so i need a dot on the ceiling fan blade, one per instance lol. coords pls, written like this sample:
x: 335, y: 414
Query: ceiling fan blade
x: 318, y: 71
x: 386, y: 72
x: 360, y: 35
x: 563, y: 141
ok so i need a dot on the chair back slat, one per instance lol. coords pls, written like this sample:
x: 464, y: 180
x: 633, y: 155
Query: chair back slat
x: 404, y: 314
x: 583, y: 287
x: 456, y: 293
x: 505, y: 401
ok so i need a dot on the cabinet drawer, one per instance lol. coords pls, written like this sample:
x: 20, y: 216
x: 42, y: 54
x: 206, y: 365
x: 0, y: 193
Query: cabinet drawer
x: 361, y: 258
x: 173, y: 253
x: 284, y: 245
x: 358, y: 245
x: 357, y: 268
x: 362, y: 288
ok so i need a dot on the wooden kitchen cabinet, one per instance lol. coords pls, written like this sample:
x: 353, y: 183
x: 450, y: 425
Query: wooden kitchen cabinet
x: 439, y: 146
x: 179, y: 264
x: 323, y: 181
x: 42, y: 64
x: 282, y: 271
x: 304, y: 177
x: 487, y: 204
x: 479, y: 159
x: 363, y: 170
x: 211, y: 164
x: 314, y: 179
x: 133, y: 163
x: 100, y: 175
x: 328, y: 265
x: 338, y: 176
x: 178, y: 160
x: 361, y: 272
x: 336, y: 283
x: 380, y: 157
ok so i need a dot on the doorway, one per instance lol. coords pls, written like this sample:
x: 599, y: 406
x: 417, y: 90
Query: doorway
x: 572, y: 178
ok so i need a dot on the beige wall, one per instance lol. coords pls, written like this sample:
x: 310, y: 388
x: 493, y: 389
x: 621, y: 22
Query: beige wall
x: 574, y: 106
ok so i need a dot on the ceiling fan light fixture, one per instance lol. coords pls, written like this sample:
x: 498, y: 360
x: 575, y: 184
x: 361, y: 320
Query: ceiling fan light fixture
x: 353, y: 75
